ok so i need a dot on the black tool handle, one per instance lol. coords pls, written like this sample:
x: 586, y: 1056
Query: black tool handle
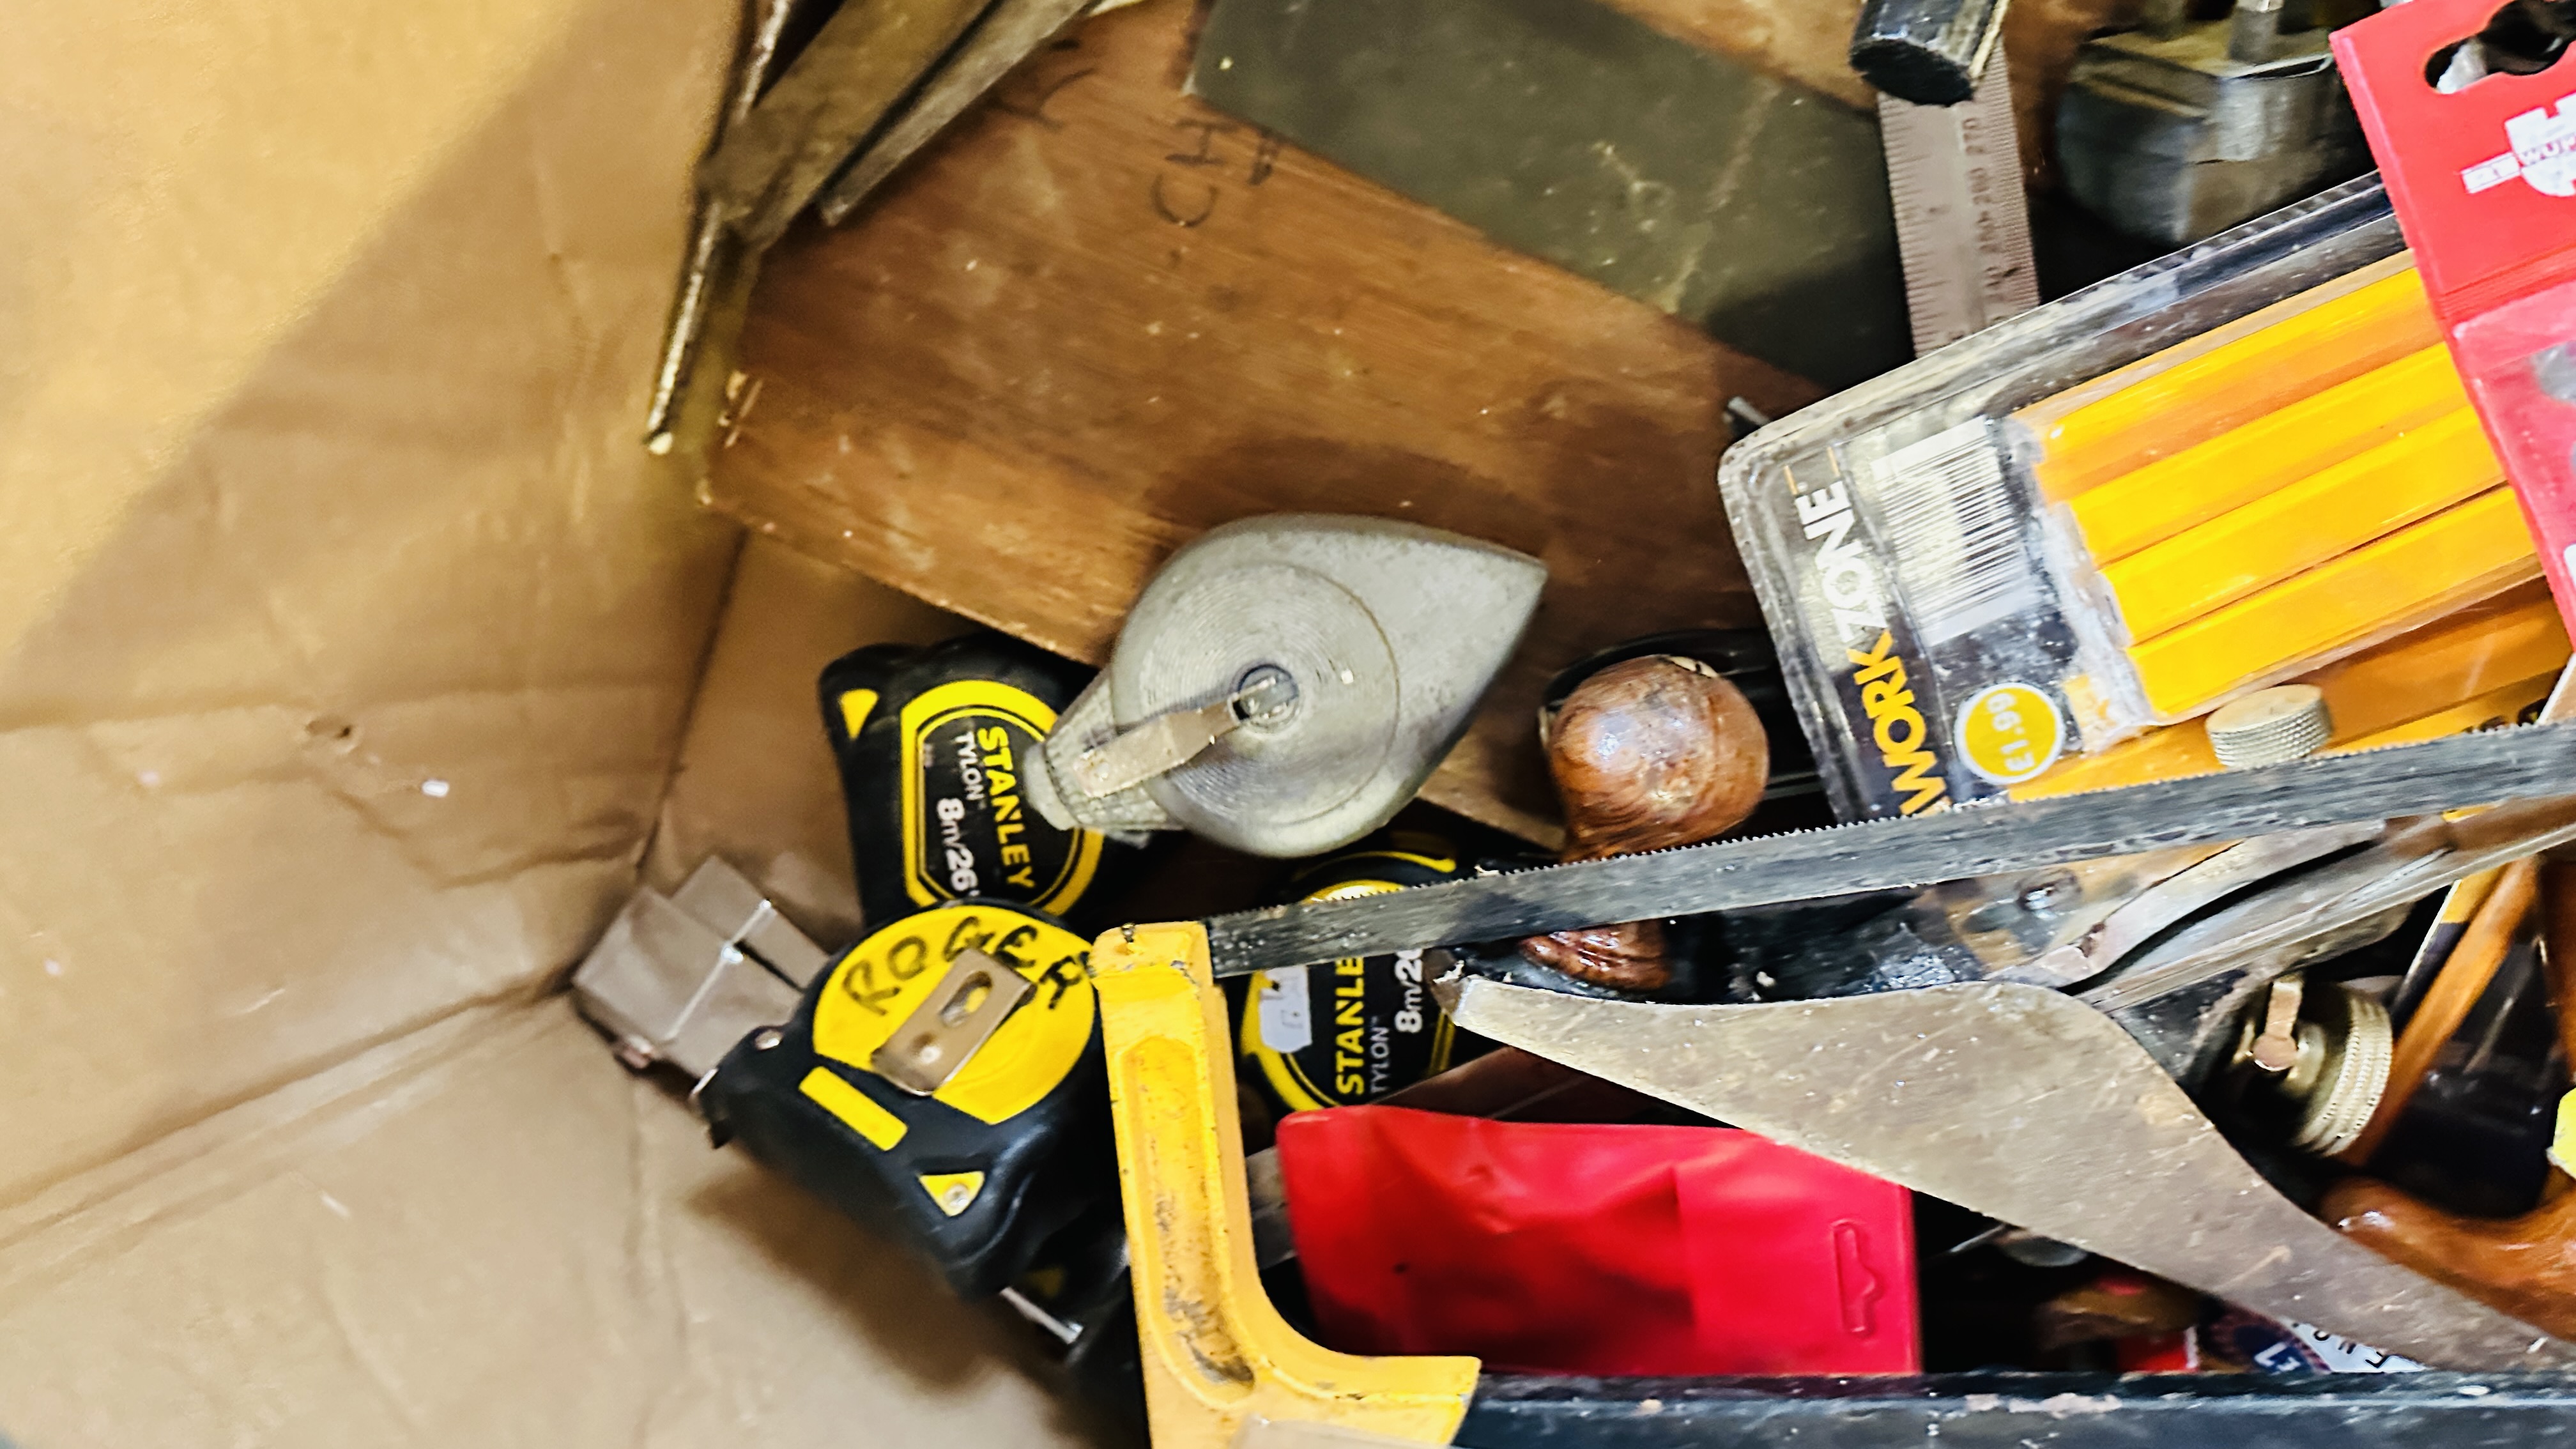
x: 1929, y: 52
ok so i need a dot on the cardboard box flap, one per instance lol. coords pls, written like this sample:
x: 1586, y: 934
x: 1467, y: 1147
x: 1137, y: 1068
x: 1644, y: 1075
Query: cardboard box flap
x: 480, y: 1234
x: 347, y: 630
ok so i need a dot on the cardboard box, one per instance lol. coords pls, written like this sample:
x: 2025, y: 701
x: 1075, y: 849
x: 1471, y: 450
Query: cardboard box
x: 355, y: 659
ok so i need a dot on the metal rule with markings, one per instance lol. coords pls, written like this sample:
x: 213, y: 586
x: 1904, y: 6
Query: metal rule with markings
x: 1962, y: 224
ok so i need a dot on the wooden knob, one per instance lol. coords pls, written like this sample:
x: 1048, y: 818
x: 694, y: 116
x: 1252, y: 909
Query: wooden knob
x: 1630, y: 956
x: 1647, y: 754
x: 1652, y: 753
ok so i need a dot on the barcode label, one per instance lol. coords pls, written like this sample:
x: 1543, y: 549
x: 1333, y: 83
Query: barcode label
x: 1954, y: 535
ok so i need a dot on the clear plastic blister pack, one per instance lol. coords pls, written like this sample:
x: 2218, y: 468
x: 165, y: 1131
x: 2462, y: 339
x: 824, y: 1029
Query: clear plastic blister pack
x: 2029, y: 561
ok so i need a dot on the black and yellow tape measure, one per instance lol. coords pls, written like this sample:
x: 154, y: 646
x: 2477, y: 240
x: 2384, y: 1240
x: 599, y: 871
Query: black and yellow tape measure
x: 933, y: 744
x: 1000, y: 1139
x: 1354, y: 1030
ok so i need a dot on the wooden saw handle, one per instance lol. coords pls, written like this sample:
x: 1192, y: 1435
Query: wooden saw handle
x: 2525, y: 1266
x: 2464, y: 978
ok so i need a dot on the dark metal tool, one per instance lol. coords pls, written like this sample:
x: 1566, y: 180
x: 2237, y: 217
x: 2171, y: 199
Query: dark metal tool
x: 1748, y: 205
x: 845, y: 82
x: 2178, y: 996
x: 875, y: 83
x: 712, y: 253
x: 2183, y: 129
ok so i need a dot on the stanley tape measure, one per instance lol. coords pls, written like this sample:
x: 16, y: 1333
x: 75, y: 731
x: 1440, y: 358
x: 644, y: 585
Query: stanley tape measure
x: 933, y: 746
x: 1353, y: 1030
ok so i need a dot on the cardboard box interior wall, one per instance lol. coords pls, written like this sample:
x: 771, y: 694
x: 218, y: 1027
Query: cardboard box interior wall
x: 351, y: 667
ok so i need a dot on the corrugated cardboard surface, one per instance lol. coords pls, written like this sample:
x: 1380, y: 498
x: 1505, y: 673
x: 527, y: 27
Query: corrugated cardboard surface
x: 347, y: 638
x: 476, y: 1235
x: 344, y: 634
x: 756, y: 783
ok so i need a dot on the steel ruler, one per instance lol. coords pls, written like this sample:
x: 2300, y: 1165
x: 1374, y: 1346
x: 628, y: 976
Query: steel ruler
x: 1962, y: 223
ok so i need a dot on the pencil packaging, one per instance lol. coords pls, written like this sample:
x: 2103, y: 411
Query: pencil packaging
x: 2050, y: 551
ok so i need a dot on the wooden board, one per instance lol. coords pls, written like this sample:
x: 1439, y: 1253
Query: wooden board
x: 1100, y: 318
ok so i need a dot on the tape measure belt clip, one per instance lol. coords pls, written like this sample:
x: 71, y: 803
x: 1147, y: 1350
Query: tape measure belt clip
x: 952, y: 1023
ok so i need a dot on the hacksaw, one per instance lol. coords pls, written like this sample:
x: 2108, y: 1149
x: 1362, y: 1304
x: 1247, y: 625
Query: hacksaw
x: 2530, y: 762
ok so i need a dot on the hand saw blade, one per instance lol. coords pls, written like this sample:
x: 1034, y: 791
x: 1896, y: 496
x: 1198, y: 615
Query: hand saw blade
x: 2023, y: 1104
x: 1962, y: 223
x: 2413, y: 779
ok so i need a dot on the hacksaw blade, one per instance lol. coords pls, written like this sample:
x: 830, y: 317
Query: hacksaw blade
x: 2531, y: 762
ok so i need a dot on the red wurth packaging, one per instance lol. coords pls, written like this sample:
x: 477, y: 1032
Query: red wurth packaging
x: 2484, y: 181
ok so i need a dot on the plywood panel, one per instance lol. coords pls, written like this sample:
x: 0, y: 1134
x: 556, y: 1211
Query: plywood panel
x: 1100, y: 318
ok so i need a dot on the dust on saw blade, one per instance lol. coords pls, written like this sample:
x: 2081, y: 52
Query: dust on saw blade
x: 1186, y: 647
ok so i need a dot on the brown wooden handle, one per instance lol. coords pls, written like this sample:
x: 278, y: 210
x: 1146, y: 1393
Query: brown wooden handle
x: 2463, y: 979
x: 1647, y: 754
x: 2526, y: 1265
x: 1653, y: 753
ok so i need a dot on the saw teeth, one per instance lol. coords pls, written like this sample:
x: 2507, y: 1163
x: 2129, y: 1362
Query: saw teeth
x: 2249, y: 788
